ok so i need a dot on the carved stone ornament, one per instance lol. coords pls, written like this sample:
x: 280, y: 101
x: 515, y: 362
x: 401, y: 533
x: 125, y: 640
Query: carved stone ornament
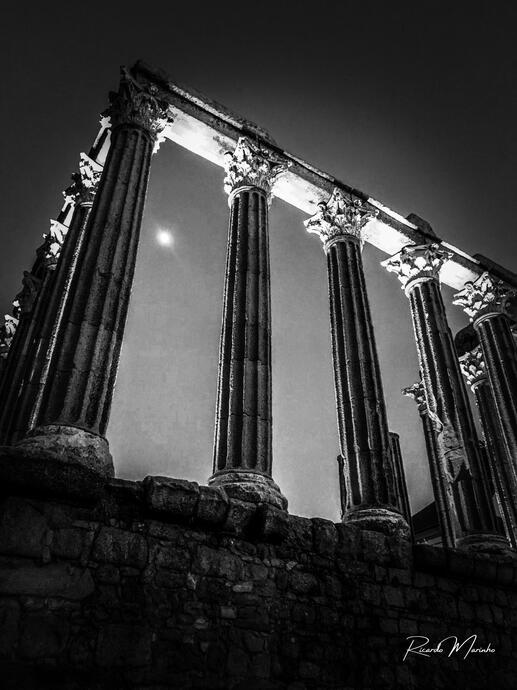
x: 251, y: 166
x: 485, y: 296
x: 473, y: 366
x: 417, y: 393
x: 136, y: 104
x: 24, y: 301
x: 339, y: 217
x: 7, y: 331
x: 85, y: 182
x: 417, y: 263
x: 53, y: 242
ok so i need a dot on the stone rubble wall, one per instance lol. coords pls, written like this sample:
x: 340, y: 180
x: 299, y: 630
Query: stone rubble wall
x: 164, y: 584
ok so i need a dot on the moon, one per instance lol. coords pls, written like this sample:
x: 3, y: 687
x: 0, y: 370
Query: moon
x: 164, y: 238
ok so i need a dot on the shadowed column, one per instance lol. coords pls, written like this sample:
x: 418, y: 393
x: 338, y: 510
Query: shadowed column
x: 400, y: 476
x: 440, y: 489
x: 459, y: 468
x: 502, y: 470
x: 60, y: 254
x: 487, y: 302
x: 243, y: 425
x: 369, y: 481
x: 71, y: 410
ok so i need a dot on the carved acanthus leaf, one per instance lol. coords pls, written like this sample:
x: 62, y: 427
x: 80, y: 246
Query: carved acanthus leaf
x: 473, y: 366
x: 251, y: 165
x: 52, y: 244
x: 417, y: 393
x: 487, y: 295
x: 339, y: 217
x: 85, y: 182
x: 7, y: 331
x: 137, y: 104
x: 417, y: 263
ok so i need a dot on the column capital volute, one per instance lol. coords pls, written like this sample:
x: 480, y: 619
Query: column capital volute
x: 473, y: 367
x: 417, y: 263
x: 485, y: 297
x: 417, y: 393
x: 340, y: 218
x: 84, y: 183
x: 251, y: 166
x: 138, y: 105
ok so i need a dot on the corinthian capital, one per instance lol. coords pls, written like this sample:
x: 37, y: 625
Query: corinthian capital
x: 417, y: 393
x: 339, y: 217
x: 7, y: 331
x: 485, y: 297
x: 251, y: 166
x: 85, y: 182
x: 473, y: 366
x: 136, y: 104
x: 417, y: 263
x: 53, y: 242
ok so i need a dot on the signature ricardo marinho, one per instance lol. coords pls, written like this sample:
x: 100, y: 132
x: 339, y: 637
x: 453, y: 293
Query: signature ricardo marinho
x: 449, y: 646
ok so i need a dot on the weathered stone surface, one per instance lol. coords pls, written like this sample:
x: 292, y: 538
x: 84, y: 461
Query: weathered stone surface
x: 22, y: 528
x: 55, y: 580
x: 273, y: 523
x: 32, y: 472
x: 240, y: 517
x: 212, y: 507
x: 9, y: 622
x: 123, y: 645
x: 43, y: 635
x: 166, y: 606
x: 175, y: 497
x: 118, y: 546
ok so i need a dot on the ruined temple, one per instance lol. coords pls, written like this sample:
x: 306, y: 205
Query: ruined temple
x: 164, y: 583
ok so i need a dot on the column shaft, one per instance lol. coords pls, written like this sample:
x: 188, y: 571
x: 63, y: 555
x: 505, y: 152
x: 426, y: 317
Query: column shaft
x: 400, y: 476
x: 243, y: 455
x: 362, y: 423
x: 500, y: 355
x: 46, y: 328
x: 502, y: 470
x: 243, y: 431
x: 80, y: 377
x: 459, y: 467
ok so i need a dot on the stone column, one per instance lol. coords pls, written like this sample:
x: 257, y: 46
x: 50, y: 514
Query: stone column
x: 442, y: 492
x: 371, y: 496
x: 400, y: 476
x: 501, y: 470
x: 70, y: 414
x: 487, y: 302
x: 460, y: 465
x: 243, y: 424
x: 62, y: 247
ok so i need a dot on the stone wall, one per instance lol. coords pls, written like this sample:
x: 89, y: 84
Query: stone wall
x: 165, y: 584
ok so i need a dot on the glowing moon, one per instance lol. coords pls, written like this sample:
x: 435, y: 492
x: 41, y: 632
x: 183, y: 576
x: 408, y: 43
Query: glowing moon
x: 164, y: 238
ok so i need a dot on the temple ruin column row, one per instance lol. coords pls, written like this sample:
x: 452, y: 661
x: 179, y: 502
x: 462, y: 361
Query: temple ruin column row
x: 59, y: 377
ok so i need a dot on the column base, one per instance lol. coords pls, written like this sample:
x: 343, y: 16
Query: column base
x: 485, y: 542
x: 70, y: 445
x: 385, y: 520
x: 246, y: 485
x: 59, y: 461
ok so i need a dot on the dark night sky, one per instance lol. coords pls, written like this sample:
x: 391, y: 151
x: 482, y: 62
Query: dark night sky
x: 415, y: 104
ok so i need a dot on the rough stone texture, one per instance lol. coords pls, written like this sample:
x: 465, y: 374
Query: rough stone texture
x: 122, y: 595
